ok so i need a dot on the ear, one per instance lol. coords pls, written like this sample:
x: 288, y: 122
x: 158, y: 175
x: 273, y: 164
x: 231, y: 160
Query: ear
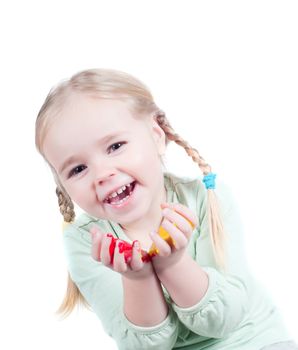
x: 158, y: 135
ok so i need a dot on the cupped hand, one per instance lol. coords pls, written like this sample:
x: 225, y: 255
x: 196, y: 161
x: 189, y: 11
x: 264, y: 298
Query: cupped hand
x: 179, y: 221
x: 111, y: 253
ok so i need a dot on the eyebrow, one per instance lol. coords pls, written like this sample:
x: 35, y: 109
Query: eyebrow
x: 73, y: 158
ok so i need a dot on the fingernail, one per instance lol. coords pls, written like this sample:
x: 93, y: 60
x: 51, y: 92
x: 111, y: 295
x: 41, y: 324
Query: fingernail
x: 165, y: 211
x: 137, y: 245
x: 165, y: 205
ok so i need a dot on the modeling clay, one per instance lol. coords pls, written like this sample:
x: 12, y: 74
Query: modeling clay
x: 165, y: 236
x: 126, y: 248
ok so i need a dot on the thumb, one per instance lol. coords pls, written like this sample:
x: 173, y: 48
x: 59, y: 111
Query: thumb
x: 95, y: 231
x: 96, y: 239
x: 164, y: 205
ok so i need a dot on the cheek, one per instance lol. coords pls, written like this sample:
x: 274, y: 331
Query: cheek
x: 145, y: 162
x: 146, y: 156
x: 77, y: 191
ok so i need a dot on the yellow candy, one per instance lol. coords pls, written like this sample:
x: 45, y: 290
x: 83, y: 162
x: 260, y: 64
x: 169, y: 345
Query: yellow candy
x: 165, y: 236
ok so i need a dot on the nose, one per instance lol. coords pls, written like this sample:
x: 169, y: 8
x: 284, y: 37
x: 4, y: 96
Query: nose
x: 101, y: 184
x: 103, y: 170
x: 103, y: 179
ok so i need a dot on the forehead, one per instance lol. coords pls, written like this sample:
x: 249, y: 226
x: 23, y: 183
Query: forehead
x: 80, y: 106
x: 82, y: 112
x: 84, y: 118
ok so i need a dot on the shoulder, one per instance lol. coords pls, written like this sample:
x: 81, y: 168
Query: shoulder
x: 194, y: 184
x: 185, y: 186
x: 77, y: 242
x: 191, y: 190
x: 78, y: 231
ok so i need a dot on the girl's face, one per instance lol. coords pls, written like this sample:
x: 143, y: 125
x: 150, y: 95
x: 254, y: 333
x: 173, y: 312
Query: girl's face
x: 96, y: 147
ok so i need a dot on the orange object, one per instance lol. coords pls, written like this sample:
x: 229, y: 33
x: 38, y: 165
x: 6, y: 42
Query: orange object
x: 165, y: 236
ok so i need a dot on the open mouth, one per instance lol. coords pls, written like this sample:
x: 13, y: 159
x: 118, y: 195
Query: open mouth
x: 122, y: 197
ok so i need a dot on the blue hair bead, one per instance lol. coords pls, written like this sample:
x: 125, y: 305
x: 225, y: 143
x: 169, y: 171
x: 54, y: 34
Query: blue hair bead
x: 209, y: 181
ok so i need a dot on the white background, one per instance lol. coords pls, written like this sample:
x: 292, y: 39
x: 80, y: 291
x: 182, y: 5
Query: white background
x: 226, y: 74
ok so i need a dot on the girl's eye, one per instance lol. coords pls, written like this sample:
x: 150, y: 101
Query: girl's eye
x: 116, y: 145
x: 75, y: 171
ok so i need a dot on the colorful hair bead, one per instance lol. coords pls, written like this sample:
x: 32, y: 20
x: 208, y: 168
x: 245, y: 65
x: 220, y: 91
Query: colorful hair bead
x: 209, y: 181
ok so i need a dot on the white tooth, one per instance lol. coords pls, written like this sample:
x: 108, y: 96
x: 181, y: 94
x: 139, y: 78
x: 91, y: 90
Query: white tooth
x: 114, y: 194
x: 120, y: 191
x: 122, y: 200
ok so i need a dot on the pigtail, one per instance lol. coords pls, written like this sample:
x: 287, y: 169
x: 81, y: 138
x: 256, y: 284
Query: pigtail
x: 73, y: 295
x: 66, y: 206
x: 213, y: 211
x: 72, y: 298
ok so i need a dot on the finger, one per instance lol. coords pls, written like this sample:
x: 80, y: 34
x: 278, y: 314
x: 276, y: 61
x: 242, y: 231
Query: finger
x: 184, y: 211
x: 179, y: 239
x: 136, y: 263
x: 162, y: 246
x: 96, y: 236
x: 119, y: 264
x: 181, y: 222
x: 105, y: 252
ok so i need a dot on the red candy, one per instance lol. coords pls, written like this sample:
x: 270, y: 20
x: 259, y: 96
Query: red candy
x: 126, y: 248
x: 112, y: 247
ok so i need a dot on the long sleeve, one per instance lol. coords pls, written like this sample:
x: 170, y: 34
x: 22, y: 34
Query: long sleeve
x: 226, y: 303
x: 235, y: 312
x: 102, y: 289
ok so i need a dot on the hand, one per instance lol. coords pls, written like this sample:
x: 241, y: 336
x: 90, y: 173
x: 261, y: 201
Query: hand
x: 114, y: 254
x: 179, y: 221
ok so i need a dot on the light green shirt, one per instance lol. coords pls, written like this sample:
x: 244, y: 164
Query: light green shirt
x: 235, y: 313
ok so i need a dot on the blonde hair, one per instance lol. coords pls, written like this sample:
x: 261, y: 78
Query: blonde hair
x: 107, y: 83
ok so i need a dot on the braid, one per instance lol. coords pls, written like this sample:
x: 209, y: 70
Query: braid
x: 73, y: 295
x: 172, y: 136
x: 66, y: 206
x: 214, y: 219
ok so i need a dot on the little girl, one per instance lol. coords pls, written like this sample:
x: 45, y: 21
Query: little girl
x: 158, y: 258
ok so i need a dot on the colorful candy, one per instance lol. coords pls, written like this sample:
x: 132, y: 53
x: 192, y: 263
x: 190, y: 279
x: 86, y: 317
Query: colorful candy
x: 126, y: 248
x: 165, y: 236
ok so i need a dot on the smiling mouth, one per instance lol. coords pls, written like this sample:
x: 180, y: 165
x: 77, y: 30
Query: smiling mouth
x: 122, y: 197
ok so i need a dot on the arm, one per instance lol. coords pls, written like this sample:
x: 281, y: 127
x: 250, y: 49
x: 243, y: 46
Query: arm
x: 144, y: 302
x: 107, y: 293
x: 187, y: 273
x: 207, y: 301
